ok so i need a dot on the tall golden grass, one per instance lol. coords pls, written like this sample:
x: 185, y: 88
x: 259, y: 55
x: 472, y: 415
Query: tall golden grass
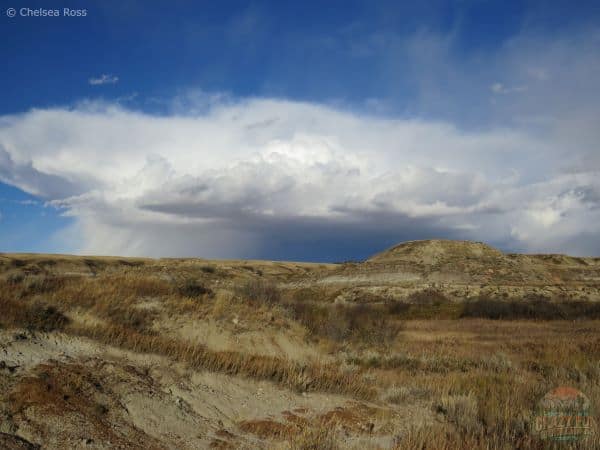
x: 300, y: 377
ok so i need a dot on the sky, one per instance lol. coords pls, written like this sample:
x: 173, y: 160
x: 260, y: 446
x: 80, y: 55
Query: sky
x: 321, y: 131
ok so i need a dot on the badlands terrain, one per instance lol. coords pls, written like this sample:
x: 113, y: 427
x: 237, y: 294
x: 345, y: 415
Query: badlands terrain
x: 430, y: 344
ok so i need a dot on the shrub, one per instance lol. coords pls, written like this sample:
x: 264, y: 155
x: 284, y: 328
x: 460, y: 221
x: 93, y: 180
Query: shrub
x: 130, y: 263
x: 18, y: 262
x: 208, y: 269
x: 427, y: 311
x: 94, y: 265
x: 536, y: 308
x: 35, y: 316
x: 41, y: 317
x: 368, y: 323
x: 193, y: 288
x: 258, y: 290
x: 427, y: 297
x: 360, y: 322
x: 15, y: 278
x: 136, y: 319
x: 398, y: 308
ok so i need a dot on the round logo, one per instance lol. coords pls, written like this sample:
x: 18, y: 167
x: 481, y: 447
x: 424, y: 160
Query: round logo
x: 563, y: 414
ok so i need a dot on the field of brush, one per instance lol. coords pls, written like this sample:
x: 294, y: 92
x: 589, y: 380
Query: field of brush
x: 187, y: 353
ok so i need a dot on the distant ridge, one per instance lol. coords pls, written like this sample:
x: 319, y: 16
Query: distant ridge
x: 436, y: 251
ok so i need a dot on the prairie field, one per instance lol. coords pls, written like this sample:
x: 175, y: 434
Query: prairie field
x: 429, y: 345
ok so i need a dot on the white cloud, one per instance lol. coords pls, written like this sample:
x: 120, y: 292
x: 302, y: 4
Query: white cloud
x: 499, y: 88
x: 27, y: 202
x: 103, y: 79
x: 231, y: 180
x: 257, y: 177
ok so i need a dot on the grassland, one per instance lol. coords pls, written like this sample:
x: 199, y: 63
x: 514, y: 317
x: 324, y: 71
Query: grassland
x: 141, y: 353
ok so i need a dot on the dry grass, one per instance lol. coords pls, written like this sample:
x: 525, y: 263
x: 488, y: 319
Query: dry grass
x: 441, y: 438
x: 307, y: 377
x: 460, y: 410
x: 314, y: 438
x: 31, y: 315
x: 479, y: 378
x: 489, y: 401
x: 258, y: 290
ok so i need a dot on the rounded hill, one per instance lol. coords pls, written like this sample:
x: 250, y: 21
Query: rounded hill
x: 436, y: 251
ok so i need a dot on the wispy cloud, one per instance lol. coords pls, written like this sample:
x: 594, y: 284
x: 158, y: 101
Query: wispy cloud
x: 27, y: 202
x: 499, y: 88
x: 103, y: 79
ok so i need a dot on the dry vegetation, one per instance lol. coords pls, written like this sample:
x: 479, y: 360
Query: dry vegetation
x: 417, y: 371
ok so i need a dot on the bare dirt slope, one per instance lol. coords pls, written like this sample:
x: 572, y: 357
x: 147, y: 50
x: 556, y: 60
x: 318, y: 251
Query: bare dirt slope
x: 68, y: 392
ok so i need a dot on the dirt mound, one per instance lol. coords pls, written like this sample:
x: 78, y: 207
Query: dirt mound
x: 437, y: 251
x: 462, y: 270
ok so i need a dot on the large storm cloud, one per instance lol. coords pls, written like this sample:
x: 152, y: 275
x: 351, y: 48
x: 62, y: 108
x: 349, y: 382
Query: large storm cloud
x: 248, y: 177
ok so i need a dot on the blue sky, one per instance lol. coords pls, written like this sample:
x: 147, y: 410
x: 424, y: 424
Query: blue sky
x: 313, y: 130
x: 249, y: 49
